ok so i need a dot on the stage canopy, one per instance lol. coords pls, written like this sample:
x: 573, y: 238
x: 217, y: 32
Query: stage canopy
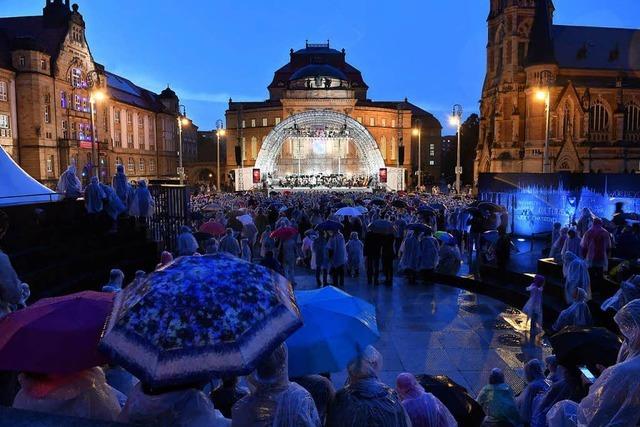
x: 18, y: 188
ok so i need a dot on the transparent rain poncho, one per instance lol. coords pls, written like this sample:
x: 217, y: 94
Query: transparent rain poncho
x: 536, y: 385
x: 424, y: 409
x: 365, y: 401
x: 69, y: 184
x: 274, y: 400
x: 614, y: 399
x: 577, y: 314
x: 84, y: 394
x: 629, y: 291
x: 576, y: 273
x: 181, y: 408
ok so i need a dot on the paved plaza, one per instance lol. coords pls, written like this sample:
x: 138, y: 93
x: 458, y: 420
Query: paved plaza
x: 442, y: 330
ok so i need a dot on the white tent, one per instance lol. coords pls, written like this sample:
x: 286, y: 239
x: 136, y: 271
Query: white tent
x: 18, y: 188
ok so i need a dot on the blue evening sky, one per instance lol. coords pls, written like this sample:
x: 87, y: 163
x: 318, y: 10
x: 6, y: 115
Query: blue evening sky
x: 431, y: 51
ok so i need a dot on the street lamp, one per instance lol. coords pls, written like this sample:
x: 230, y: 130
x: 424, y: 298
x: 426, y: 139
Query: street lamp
x: 456, y: 120
x: 95, y: 96
x: 182, y: 121
x: 418, y: 132
x: 219, y: 132
x: 544, y: 94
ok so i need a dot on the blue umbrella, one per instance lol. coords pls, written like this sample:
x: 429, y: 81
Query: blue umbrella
x: 337, y: 327
x: 329, y: 226
x: 198, y: 318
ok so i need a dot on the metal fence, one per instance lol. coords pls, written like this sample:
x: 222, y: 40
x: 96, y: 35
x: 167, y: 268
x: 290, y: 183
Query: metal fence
x: 171, y: 212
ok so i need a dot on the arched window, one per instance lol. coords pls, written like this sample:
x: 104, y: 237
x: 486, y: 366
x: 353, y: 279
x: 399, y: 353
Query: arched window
x: 131, y: 165
x: 567, y: 121
x: 118, y: 160
x: 383, y: 147
x: 599, y: 121
x: 632, y: 122
x: 141, y: 167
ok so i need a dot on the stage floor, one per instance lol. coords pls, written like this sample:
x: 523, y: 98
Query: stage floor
x: 323, y: 189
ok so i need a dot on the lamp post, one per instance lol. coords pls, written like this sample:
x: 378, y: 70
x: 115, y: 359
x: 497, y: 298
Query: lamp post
x: 219, y: 133
x: 418, y: 132
x: 544, y: 94
x: 182, y: 121
x: 456, y: 120
x: 95, y: 95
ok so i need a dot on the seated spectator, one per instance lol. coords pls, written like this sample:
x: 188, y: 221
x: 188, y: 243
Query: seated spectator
x: 180, y: 407
x: 554, y: 373
x: 576, y: 275
x: 577, y: 314
x: 83, y: 394
x: 116, y: 277
x: 321, y: 390
x: 365, y: 400
x: 569, y: 386
x: 186, y: 244
x: 498, y: 402
x: 424, y: 409
x: 536, y: 385
x: 227, y: 394
x: 629, y: 291
x: 275, y: 401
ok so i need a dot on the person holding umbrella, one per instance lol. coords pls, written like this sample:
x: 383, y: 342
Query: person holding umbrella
x: 275, y: 400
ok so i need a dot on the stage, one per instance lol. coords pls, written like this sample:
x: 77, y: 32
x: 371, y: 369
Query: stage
x: 322, y: 189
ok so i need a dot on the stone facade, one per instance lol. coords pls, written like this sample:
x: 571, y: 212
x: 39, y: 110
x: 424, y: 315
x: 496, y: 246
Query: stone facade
x: 390, y: 123
x: 594, y: 94
x: 50, y: 74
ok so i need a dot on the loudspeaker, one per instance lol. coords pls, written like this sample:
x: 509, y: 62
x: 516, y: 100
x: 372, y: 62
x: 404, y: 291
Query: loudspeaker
x: 238, y: 155
x: 401, y: 155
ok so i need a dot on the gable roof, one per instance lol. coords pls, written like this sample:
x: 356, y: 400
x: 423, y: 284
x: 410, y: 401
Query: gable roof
x: 32, y: 30
x: 597, y: 48
x: 123, y: 90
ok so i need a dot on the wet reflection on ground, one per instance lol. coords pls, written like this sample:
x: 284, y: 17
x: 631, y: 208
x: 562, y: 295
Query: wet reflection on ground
x: 437, y: 329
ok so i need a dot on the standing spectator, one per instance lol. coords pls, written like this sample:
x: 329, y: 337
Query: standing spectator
x: 498, y: 402
x: 576, y: 275
x: 116, y: 277
x: 229, y: 244
x: 429, y: 255
x: 533, y: 307
x: 267, y: 243
x: 321, y: 258
x: 166, y: 258
x: 246, y: 250
x: 571, y: 243
x: 595, y: 245
x: 449, y: 259
x: 585, y: 222
x: 94, y: 197
x: 227, y: 394
x: 337, y: 258
x: 142, y: 204
x: 388, y: 255
x: 289, y: 255
x: 355, y: 255
x: 558, y: 244
x: 121, y: 186
x: 410, y: 255
x: 69, y: 184
x: 577, y: 314
x: 321, y: 390
x: 187, y: 245
x: 372, y: 251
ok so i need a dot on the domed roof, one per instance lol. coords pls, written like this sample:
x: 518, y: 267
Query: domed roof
x: 318, y: 70
x: 168, y: 93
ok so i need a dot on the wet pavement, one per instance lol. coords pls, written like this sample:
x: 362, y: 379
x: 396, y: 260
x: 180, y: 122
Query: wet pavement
x: 441, y: 330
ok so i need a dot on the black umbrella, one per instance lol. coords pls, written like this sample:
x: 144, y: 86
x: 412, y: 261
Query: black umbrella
x: 340, y: 205
x: 378, y: 202
x: 329, y: 226
x: 381, y: 226
x: 399, y: 204
x: 462, y: 406
x: 575, y: 346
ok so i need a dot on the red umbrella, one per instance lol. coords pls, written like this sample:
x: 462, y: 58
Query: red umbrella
x: 213, y: 228
x: 284, y: 233
x: 55, y: 335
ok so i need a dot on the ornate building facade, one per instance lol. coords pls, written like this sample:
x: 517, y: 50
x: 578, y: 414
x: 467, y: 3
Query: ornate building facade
x: 590, y: 77
x: 318, y: 79
x: 47, y: 75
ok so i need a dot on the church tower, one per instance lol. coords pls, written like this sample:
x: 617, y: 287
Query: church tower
x: 503, y: 107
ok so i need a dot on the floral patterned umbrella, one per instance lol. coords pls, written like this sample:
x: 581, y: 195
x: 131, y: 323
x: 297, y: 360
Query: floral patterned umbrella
x: 200, y: 317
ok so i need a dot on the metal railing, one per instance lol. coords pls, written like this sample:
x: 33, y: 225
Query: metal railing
x: 25, y: 199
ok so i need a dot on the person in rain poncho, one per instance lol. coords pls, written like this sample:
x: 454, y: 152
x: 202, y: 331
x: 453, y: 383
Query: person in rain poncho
x: 572, y: 243
x: 246, y: 249
x: 142, y: 204
x: 166, y: 258
x: 498, y: 402
x: 450, y: 259
x: 307, y: 248
x: 250, y: 232
x: 569, y: 386
x: 211, y: 246
x: 577, y: 314
x: 94, y: 196
x: 187, y: 245
x: 321, y: 258
x: 595, y: 245
x: 576, y: 274
x: 116, y: 277
x: 337, y: 258
x: 555, y: 374
x: 69, y: 184
x: 536, y: 385
x: 275, y: 401
x: 355, y: 257
x: 83, y: 394
x: 410, y: 255
x: 121, y: 186
x: 365, y: 400
x: 267, y: 243
x: 629, y: 290
x: 229, y: 244
x: 585, y: 222
x: 533, y: 307
x: 289, y: 254
x: 227, y: 394
x: 555, y: 232
x: 429, y: 254
x: 321, y: 390
x: 11, y: 287
x: 178, y: 407
x: 558, y: 244
x: 424, y: 409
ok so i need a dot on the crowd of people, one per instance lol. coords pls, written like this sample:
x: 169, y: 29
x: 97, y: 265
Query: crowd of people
x: 324, y: 181
x: 381, y: 237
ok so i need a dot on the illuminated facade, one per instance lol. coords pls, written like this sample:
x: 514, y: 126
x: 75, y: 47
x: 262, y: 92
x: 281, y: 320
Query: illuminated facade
x: 593, y: 81
x: 318, y: 120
